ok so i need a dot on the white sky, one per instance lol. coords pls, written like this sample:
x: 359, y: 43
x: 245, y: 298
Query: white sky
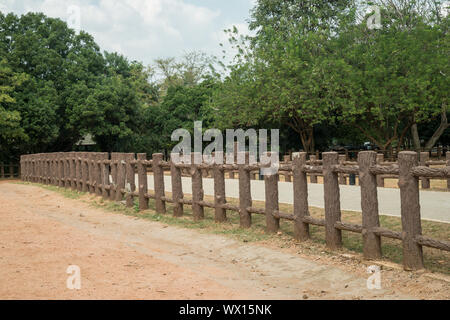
x: 147, y: 29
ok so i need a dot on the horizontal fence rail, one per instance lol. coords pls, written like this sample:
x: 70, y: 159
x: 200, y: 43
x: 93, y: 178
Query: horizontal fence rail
x: 11, y: 170
x: 113, y: 177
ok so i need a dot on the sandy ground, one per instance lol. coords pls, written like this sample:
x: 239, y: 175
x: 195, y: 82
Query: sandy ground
x: 122, y: 257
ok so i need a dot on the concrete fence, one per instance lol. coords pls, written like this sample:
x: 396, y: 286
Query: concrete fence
x: 112, y: 176
x: 344, y: 177
x: 11, y: 170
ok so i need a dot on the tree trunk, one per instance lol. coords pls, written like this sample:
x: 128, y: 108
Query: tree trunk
x: 438, y: 133
x: 415, y: 137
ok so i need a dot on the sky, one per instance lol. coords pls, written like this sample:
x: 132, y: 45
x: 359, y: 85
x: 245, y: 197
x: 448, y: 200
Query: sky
x: 144, y: 30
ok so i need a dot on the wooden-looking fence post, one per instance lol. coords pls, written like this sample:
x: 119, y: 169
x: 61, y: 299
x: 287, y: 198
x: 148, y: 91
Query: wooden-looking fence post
x: 113, y: 185
x: 197, y: 187
x: 300, y: 188
x: 73, y: 174
x: 67, y: 170
x: 332, y: 200
x: 245, y: 196
x: 22, y: 165
x: 220, y: 214
x: 158, y: 182
x: 369, y: 205
x: 49, y: 168
x: 380, y: 179
x: 61, y: 169
x: 410, y: 210
x: 424, y: 157
x: 100, y: 174
x: 42, y: 168
x: 104, y: 171
x: 287, y: 176
x: 120, y: 184
x: 84, y: 172
x: 53, y: 166
x: 312, y: 177
x: 92, y: 170
x: 177, y: 186
x: 142, y: 181
x: 130, y: 183
x: 78, y: 165
x: 2, y: 172
x: 448, y: 167
x: 342, y: 177
x: 33, y: 167
x: 271, y: 189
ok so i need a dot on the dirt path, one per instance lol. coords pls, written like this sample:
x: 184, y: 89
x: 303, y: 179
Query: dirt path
x: 121, y: 257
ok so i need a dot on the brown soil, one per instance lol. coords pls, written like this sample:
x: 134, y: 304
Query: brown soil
x: 123, y: 257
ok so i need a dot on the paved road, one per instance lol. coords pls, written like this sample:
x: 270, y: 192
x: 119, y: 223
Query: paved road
x: 435, y: 206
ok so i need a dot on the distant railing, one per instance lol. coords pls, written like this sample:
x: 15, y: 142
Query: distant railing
x: 113, y: 177
x: 11, y: 170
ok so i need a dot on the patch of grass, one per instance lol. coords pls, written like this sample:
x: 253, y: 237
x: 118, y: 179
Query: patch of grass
x: 68, y: 193
x: 435, y: 260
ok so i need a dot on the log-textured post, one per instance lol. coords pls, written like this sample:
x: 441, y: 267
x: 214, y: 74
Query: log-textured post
x: 84, y: 172
x: 410, y: 211
x: 33, y: 169
x: 41, y: 168
x: 113, y: 186
x: 177, y: 186
x: 300, y: 185
x: 287, y: 176
x: 73, y: 174
x: 448, y: 167
x: 44, y: 168
x: 2, y: 172
x: 424, y: 157
x: 120, y: 176
x: 313, y: 177
x: 142, y: 181
x: 53, y: 167
x: 79, y: 173
x: 380, y: 179
x: 104, y: 171
x: 90, y: 157
x: 60, y: 158
x: 220, y: 214
x: 67, y: 172
x: 102, y: 177
x: 271, y: 189
x: 38, y: 168
x: 333, y: 235
x: 47, y: 168
x: 130, y: 183
x: 22, y: 165
x: 96, y: 173
x: 369, y: 205
x: 158, y: 181
x: 245, y: 197
x: 197, y: 188
x: 342, y: 177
